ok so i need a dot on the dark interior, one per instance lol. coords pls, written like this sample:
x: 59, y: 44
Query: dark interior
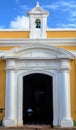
x: 37, y: 99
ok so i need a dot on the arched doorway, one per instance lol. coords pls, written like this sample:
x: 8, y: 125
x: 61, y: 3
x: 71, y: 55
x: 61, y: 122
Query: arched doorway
x: 37, y: 99
x: 38, y: 65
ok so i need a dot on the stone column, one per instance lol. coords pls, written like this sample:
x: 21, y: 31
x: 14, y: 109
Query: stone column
x: 10, y: 99
x: 64, y: 92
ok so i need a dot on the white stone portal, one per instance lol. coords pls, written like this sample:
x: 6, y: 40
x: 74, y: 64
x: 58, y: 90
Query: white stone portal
x: 37, y: 58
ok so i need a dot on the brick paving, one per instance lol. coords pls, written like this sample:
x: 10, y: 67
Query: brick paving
x: 35, y: 127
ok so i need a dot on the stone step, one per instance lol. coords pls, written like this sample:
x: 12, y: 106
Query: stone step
x: 36, y: 127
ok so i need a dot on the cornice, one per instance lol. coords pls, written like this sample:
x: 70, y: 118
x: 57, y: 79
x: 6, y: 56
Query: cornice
x: 73, y: 52
x: 14, y: 30
x: 48, y: 29
x: 61, y: 29
x: 52, y: 41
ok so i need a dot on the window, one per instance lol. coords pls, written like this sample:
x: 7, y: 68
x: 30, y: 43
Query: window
x: 38, y: 23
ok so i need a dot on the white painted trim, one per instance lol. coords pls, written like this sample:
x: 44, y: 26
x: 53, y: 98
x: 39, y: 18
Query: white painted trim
x: 48, y: 29
x: 16, y: 30
x: 51, y: 41
x: 55, y: 92
x: 61, y: 29
x: 27, y: 40
x: 38, y: 51
x: 58, y: 68
x: 73, y: 52
x: 12, y: 119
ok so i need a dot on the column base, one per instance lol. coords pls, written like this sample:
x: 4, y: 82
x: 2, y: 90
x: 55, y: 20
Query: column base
x: 67, y: 123
x: 9, y: 123
x: 20, y: 123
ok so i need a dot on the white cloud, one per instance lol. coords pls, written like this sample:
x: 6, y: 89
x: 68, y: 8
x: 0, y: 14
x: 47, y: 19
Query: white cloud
x: 73, y: 13
x: 52, y: 6
x: 20, y: 22
x: 67, y: 9
x: 70, y: 25
x: 24, y: 7
x: 68, y: 5
x: 62, y: 5
x: 73, y: 20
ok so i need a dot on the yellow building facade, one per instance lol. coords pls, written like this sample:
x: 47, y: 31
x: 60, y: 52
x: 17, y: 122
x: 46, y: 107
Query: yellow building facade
x: 59, y: 39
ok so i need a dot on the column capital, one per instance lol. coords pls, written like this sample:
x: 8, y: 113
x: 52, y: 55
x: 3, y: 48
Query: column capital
x: 64, y: 69
x: 64, y: 65
x: 10, y: 64
x: 10, y: 68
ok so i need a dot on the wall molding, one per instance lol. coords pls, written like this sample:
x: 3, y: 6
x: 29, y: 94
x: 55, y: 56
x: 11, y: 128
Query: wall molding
x: 51, y: 41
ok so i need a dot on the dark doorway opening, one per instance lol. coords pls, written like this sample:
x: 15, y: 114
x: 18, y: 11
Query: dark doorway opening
x: 37, y: 99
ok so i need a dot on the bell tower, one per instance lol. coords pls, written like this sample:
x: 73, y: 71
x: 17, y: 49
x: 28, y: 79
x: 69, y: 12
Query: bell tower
x: 38, y: 22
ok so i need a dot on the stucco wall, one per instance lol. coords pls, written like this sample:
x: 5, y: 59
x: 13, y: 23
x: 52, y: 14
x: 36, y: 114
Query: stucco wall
x: 23, y: 34
x: 72, y: 81
x: 14, y: 34
x: 73, y: 88
x: 61, y: 34
x: 2, y: 86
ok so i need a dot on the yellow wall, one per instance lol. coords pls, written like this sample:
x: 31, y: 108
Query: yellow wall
x: 50, y: 34
x: 22, y: 34
x: 6, y: 47
x: 68, y: 47
x: 2, y: 86
x: 73, y: 88
x: 14, y: 34
x: 61, y: 34
x: 72, y: 76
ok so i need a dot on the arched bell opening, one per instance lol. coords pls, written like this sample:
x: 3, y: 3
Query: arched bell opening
x: 38, y: 23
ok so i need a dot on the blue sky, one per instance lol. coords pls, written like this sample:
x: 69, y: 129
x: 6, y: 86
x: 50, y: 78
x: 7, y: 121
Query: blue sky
x: 13, y: 13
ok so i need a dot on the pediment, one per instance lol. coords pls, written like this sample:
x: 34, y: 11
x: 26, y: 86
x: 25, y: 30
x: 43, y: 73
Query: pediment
x: 38, y: 10
x: 38, y: 51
